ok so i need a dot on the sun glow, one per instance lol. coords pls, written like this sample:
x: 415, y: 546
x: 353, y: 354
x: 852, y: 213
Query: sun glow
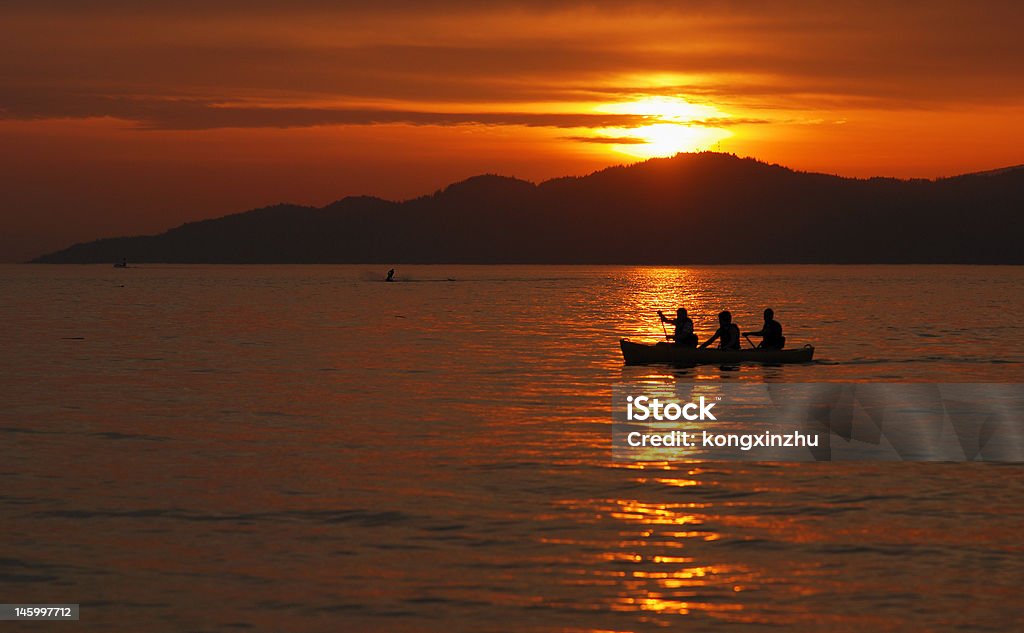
x: 675, y: 126
x: 665, y: 109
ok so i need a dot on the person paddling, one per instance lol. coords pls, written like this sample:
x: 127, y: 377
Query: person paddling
x: 727, y: 334
x: 391, y: 275
x: 771, y: 332
x: 684, y: 328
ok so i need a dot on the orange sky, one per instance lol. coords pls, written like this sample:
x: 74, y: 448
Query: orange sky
x: 121, y: 117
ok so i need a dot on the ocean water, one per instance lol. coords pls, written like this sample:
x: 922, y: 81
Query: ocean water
x: 307, y: 448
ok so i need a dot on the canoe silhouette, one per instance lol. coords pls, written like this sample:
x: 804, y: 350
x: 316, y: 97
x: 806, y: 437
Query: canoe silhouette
x: 645, y: 353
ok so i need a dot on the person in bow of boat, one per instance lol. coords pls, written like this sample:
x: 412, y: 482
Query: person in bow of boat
x: 727, y: 334
x: 684, y: 328
x: 771, y: 332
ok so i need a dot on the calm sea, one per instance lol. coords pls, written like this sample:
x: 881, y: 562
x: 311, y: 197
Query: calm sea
x: 307, y: 448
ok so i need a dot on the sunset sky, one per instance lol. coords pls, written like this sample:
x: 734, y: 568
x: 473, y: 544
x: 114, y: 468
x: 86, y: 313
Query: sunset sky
x: 122, y: 117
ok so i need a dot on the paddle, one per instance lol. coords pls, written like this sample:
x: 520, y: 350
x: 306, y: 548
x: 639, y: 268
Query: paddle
x: 750, y: 341
x: 661, y: 317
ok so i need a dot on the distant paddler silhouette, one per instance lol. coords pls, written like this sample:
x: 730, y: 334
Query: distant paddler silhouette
x: 391, y: 275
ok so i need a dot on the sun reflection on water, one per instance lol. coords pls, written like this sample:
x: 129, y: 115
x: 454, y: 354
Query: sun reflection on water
x: 666, y: 289
x: 652, y: 567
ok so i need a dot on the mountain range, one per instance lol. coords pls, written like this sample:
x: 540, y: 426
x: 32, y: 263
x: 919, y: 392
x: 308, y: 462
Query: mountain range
x: 691, y: 208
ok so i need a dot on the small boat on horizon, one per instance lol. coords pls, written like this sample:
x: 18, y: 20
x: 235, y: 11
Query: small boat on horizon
x: 647, y: 353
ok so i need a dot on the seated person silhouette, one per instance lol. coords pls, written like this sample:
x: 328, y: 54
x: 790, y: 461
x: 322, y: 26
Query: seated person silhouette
x: 391, y: 275
x: 684, y: 328
x: 771, y: 332
x: 727, y: 334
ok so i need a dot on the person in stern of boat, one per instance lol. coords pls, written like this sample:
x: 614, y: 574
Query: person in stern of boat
x: 727, y: 334
x: 684, y: 328
x: 771, y: 332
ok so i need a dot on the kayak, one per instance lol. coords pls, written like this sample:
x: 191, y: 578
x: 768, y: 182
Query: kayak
x: 644, y: 353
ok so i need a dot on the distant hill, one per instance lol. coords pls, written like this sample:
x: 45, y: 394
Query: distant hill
x: 692, y: 208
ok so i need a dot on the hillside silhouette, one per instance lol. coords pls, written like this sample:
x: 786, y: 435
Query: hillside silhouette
x: 691, y: 208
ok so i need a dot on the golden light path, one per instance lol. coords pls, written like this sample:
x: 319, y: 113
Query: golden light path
x: 676, y: 126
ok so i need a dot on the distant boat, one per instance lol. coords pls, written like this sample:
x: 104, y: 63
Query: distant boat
x: 646, y: 353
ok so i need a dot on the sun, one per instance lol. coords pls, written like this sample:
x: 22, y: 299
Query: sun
x: 668, y: 139
x: 676, y: 125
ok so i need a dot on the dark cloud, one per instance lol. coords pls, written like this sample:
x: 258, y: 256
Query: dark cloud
x: 731, y: 122
x: 607, y: 140
x: 200, y: 114
x: 206, y: 117
x: 524, y: 71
